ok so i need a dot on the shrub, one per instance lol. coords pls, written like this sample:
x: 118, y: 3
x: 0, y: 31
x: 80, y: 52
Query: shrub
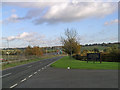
x: 79, y: 57
x: 111, y: 57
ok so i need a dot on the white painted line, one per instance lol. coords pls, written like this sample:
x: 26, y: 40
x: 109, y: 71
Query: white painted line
x: 23, y: 80
x: 30, y: 66
x: 51, y: 63
x: 5, y: 75
x: 13, y: 85
x: 48, y: 65
x: 35, y: 72
x: 30, y: 76
x: 39, y: 69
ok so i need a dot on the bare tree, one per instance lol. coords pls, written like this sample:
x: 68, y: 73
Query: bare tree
x: 70, y: 43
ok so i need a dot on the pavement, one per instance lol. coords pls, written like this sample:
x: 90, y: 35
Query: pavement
x: 73, y: 78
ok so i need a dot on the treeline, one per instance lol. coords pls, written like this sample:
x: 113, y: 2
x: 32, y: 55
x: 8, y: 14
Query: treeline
x: 102, y: 44
x: 36, y: 50
x: 48, y: 48
x: 110, y: 54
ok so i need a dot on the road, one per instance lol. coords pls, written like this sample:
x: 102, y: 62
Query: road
x: 73, y: 78
x: 40, y: 75
x: 13, y: 76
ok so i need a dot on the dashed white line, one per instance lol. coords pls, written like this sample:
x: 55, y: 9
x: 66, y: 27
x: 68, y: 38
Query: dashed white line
x: 35, y: 72
x: 48, y: 65
x: 39, y: 70
x: 5, y: 75
x: 30, y: 76
x: 30, y: 66
x: 13, y: 85
x: 23, y: 80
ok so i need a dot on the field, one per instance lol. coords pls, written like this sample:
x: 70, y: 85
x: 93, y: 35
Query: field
x: 12, y: 64
x: 76, y: 64
x: 100, y: 47
x: 92, y: 47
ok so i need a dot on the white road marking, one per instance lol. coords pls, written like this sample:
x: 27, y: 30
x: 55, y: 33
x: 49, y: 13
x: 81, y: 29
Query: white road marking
x: 13, y: 85
x: 23, y: 80
x: 51, y: 63
x: 35, y: 72
x: 30, y: 76
x: 5, y: 75
x: 30, y: 66
x: 39, y: 70
x: 48, y: 65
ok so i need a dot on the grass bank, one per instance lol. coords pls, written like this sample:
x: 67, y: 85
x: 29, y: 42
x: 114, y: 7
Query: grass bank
x: 76, y: 64
x: 5, y: 66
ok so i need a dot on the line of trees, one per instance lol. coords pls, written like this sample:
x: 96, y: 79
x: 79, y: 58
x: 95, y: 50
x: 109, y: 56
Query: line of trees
x: 36, y: 50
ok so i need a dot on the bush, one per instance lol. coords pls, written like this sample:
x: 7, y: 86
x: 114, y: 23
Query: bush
x: 79, y: 57
x: 111, y: 57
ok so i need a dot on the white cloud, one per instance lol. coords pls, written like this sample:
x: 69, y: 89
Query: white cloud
x: 11, y: 38
x: 69, y: 11
x: 60, y: 0
x: 22, y: 36
x: 111, y: 22
x: 12, y: 19
x: 33, y: 38
x: 43, y: 41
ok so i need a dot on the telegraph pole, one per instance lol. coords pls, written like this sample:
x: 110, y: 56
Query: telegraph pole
x: 29, y: 43
x: 8, y: 48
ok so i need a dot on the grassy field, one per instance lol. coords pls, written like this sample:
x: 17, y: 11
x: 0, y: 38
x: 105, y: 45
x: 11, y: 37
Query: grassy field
x: 76, y: 64
x: 92, y: 47
x: 25, y: 62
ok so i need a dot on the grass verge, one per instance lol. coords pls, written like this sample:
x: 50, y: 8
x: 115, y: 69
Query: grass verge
x: 26, y: 61
x: 76, y: 64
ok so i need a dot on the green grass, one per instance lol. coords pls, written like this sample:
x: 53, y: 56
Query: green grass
x: 25, y: 62
x: 76, y: 64
x: 92, y: 47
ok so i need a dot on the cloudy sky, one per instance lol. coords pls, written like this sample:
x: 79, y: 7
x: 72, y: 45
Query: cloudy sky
x: 42, y: 23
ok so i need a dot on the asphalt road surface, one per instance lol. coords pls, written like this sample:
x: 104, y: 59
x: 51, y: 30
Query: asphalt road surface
x: 14, y: 76
x: 73, y: 78
x: 40, y: 75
